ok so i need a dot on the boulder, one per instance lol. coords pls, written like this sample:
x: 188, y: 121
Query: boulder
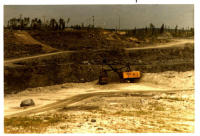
x: 93, y: 120
x: 27, y: 102
x: 99, y: 128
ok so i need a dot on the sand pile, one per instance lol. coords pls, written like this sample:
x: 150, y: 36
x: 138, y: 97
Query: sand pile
x: 172, y: 79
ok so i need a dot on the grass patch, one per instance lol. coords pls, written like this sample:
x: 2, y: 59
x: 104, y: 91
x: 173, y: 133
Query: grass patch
x: 30, y: 124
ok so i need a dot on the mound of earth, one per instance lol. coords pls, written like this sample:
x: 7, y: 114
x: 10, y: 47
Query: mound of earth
x: 89, y: 39
x: 21, y: 44
x: 73, y: 39
x: 171, y: 79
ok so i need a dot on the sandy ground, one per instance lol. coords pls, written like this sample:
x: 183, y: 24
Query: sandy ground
x: 46, y: 95
x: 128, y: 113
x: 160, y: 102
x: 149, y: 82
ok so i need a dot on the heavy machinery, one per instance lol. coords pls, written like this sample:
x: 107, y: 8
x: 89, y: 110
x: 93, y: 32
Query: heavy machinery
x: 125, y: 76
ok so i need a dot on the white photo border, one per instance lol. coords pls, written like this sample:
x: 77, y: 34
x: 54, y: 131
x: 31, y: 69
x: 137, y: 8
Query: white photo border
x: 78, y: 2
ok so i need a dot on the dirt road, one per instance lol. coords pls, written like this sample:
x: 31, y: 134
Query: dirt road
x: 7, y: 62
x: 175, y: 43
x: 60, y: 97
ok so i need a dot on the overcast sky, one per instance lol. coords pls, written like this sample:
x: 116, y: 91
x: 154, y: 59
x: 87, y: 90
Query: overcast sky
x: 107, y: 16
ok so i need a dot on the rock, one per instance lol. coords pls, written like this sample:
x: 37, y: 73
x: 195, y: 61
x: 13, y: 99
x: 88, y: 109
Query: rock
x: 62, y: 127
x: 99, y: 128
x: 27, y: 102
x: 93, y: 120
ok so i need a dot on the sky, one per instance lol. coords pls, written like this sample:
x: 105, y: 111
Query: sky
x: 108, y: 16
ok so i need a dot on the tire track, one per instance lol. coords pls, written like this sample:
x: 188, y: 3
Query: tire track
x: 80, y: 97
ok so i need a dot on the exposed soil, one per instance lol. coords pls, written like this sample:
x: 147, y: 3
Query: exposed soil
x: 83, y: 39
x: 21, y: 44
x: 147, y: 106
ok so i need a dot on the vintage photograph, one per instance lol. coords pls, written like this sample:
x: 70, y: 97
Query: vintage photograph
x: 99, y: 69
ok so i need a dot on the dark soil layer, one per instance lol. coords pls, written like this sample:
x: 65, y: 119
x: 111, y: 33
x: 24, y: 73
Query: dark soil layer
x: 91, y: 39
x: 72, y: 40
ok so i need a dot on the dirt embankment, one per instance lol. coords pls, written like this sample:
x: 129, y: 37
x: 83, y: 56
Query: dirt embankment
x: 82, y: 39
x: 85, y: 66
x: 94, y: 39
x: 20, y: 43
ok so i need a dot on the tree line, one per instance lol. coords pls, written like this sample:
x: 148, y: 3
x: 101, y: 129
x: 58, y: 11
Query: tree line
x: 36, y: 23
x: 60, y: 24
x: 152, y: 31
